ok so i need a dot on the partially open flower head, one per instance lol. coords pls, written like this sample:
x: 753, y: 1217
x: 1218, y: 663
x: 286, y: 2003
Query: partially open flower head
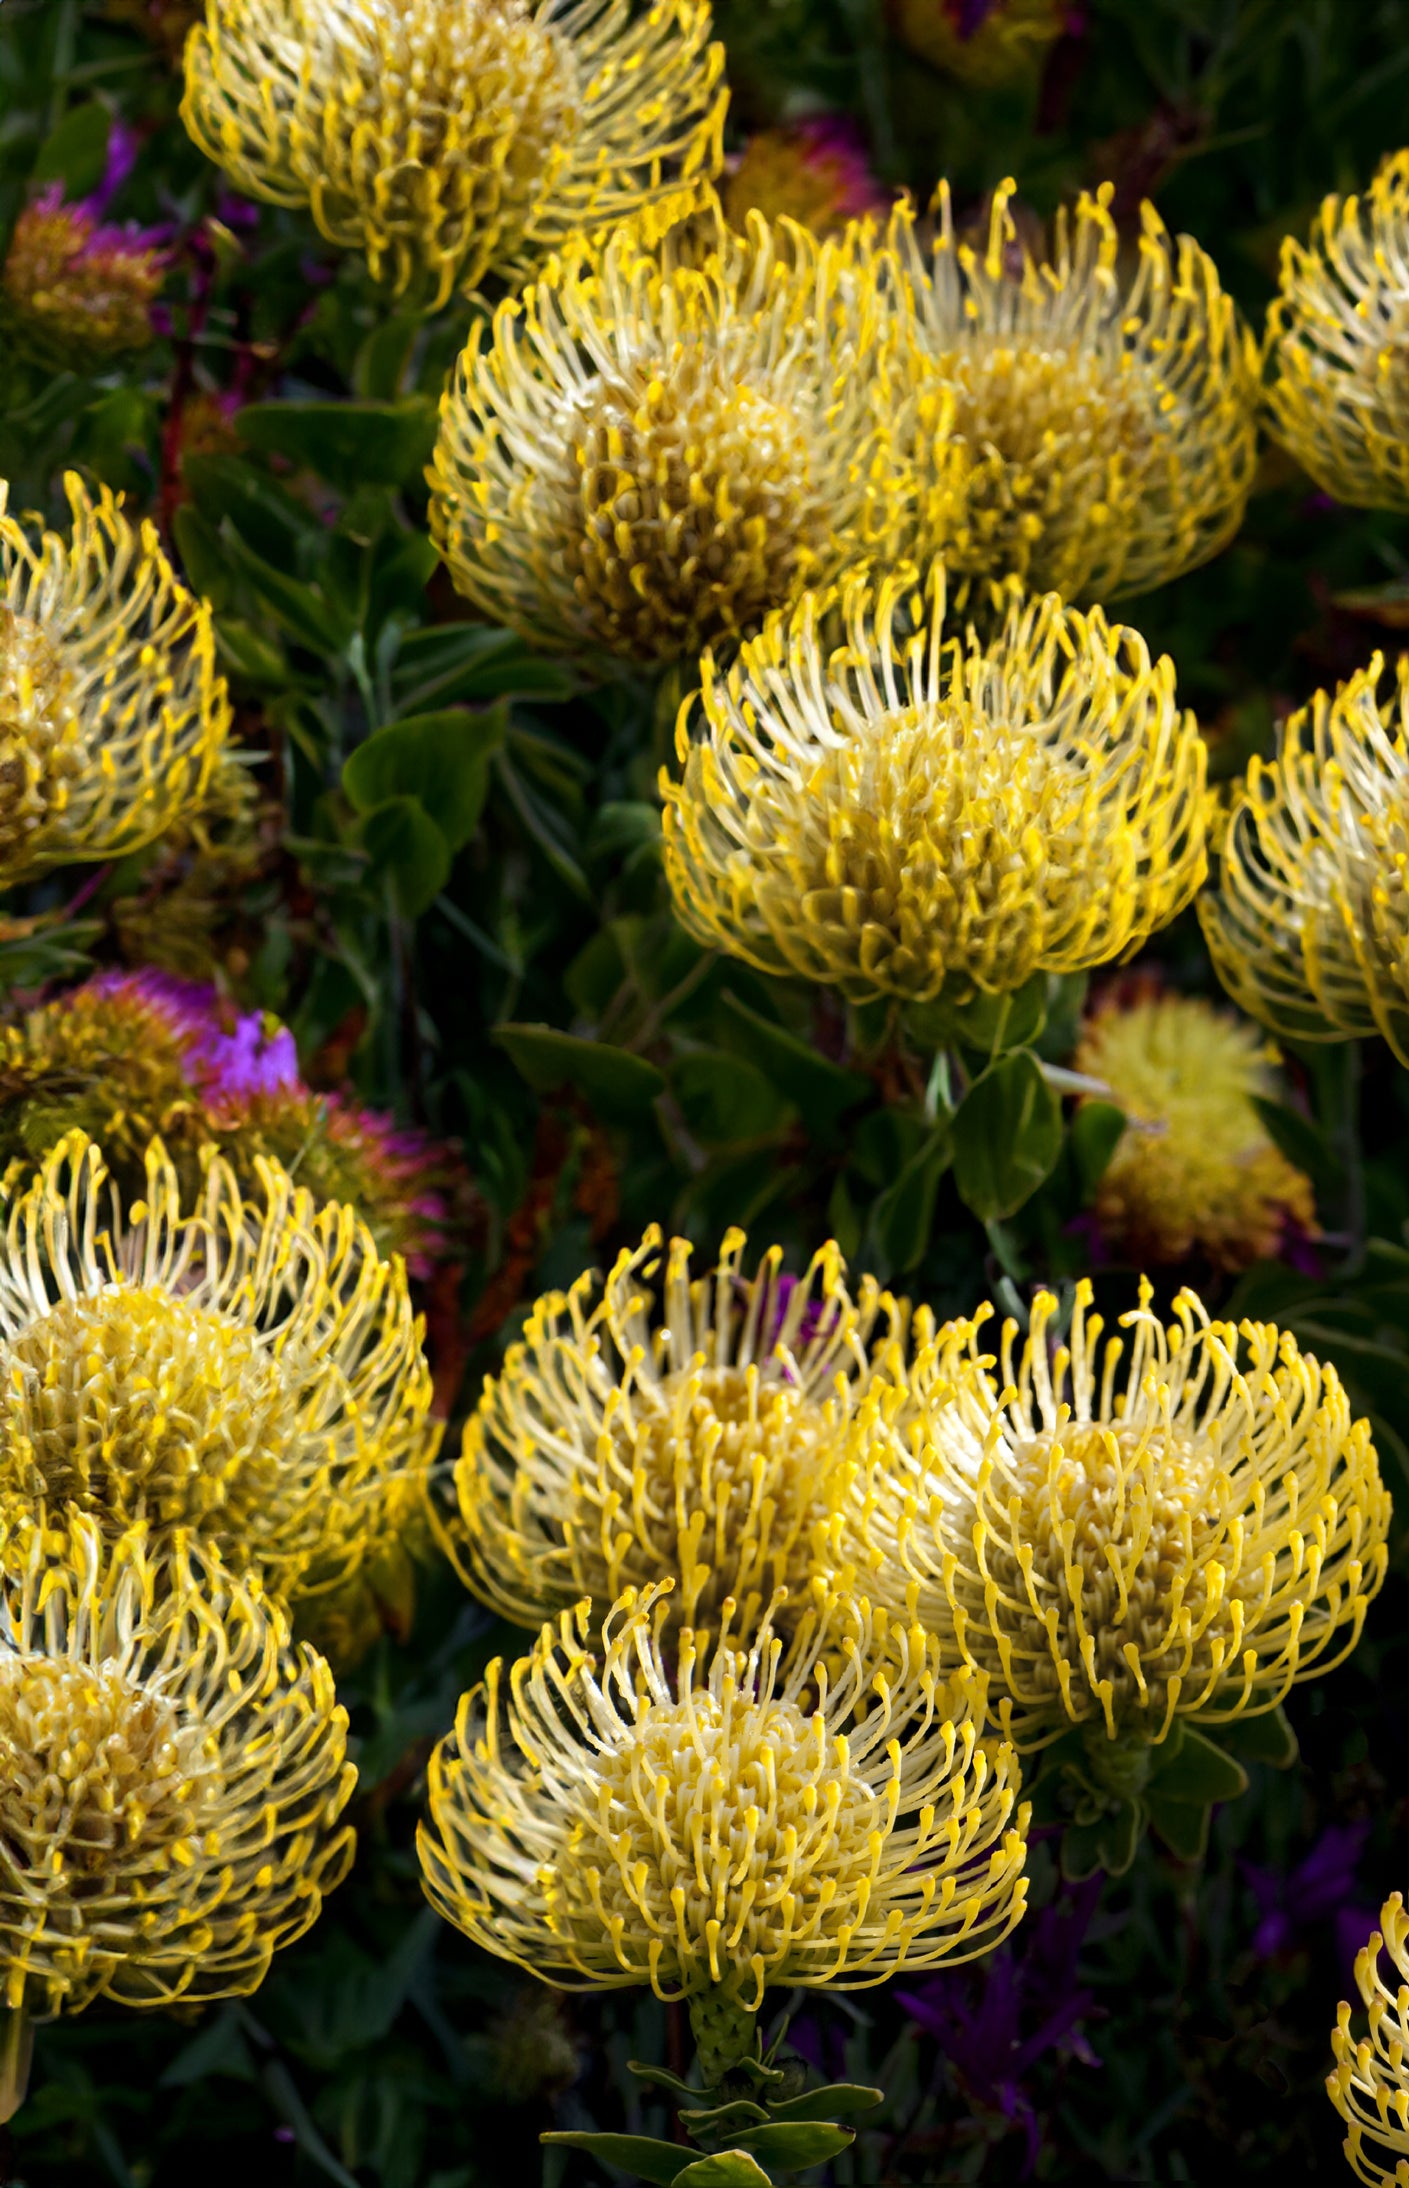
x: 727, y: 1817
x: 452, y: 139
x: 76, y: 292
x: 1107, y: 425
x: 172, y: 1771
x: 130, y: 1055
x: 668, y: 1425
x: 982, y: 42
x: 663, y: 440
x: 1337, y: 347
x: 1309, y: 924
x: 814, y: 171
x: 918, y: 811
x: 1194, y: 1170
x: 112, y: 717
x: 247, y: 1368
x: 1370, y: 2085
x: 1184, y: 1521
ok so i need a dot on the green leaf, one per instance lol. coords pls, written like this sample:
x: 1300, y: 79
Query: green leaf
x: 834, y: 2100
x: 1299, y: 1140
x: 1117, y: 1836
x: 76, y: 152
x: 404, y: 843
x: 727, y: 2169
x: 1197, y: 1771
x: 1081, y: 1851
x: 903, y: 1216
x: 822, y: 1090
x: 1266, y: 1738
x: 1007, y: 1137
x: 620, y: 1086
x: 723, y: 1099
x: 470, y: 663
x: 639, y: 2154
x: 795, y: 2144
x: 348, y: 444
x: 723, y: 2119
x: 1182, y: 1826
x: 442, y: 759
x: 247, y: 653
x: 203, y: 556
x: 305, y: 612
x: 1096, y: 1131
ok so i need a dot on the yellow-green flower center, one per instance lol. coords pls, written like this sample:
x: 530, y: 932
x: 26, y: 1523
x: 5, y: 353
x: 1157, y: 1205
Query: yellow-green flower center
x: 41, y: 747
x: 135, y: 1404
x: 695, y: 506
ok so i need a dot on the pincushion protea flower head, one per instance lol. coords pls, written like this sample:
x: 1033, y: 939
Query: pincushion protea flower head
x: 1108, y: 430
x: 916, y: 811
x: 452, y: 139
x: 128, y: 1056
x: 1186, y: 1521
x: 813, y: 171
x: 1370, y: 2085
x: 76, y: 291
x: 1337, y: 382
x: 664, y: 1424
x: 983, y: 42
x: 748, y: 1814
x: 1309, y: 924
x: 172, y: 1770
x: 249, y: 1370
x: 1194, y: 1169
x: 661, y: 441
x: 113, y: 720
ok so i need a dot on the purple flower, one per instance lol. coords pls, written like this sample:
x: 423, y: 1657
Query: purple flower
x: 1322, y: 1888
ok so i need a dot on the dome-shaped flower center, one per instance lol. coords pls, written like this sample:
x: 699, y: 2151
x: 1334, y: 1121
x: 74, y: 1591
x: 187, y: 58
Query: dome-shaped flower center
x: 1102, y: 1552
x: 728, y: 1469
x: 749, y: 1812
x: 41, y: 747
x: 696, y: 509
x: 1058, y: 442
x: 926, y: 828
x: 132, y: 1403
x: 100, y: 1780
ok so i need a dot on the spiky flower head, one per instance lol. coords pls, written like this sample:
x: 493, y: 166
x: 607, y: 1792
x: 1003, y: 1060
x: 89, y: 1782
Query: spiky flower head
x: 918, y: 811
x: 1183, y: 1522
x: 814, y: 171
x: 717, y: 1819
x: 1107, y: 428
x: 248, y: 1369
x: 1337, y: 380
x: 661, y: 441
x: 1309, y: 924
x: 665, y: 1424
x: 172, y: 1771
x: 982, y: 42
x: 76, y: 291
x: 1370, y: 2085
x: 128, y: 1056
x: 113, y: 720
x: 452, y: 139
x: 1194, y: 1170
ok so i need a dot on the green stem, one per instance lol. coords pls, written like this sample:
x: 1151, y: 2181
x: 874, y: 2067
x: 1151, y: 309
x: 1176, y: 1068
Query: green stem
x: 16, y: 2052
x: 723, y: 2031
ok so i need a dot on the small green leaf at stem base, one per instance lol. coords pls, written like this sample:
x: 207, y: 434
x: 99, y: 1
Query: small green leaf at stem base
x: 659, y: 2162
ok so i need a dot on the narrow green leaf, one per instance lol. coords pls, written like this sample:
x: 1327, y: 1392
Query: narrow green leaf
x: 903, y: 1216
x: 835, y: 2100
x: 348, y: 444
x: 639, y: 2154
x: 620, y: 1086
x: 793, y: 2145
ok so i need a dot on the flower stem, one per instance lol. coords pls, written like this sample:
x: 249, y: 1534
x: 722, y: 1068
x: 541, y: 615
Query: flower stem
x: 16, y: 2052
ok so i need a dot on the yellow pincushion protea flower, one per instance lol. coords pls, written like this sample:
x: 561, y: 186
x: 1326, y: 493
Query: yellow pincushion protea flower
x: 113, y: 721
x: 660, y: 442
x: 451, y: 139
x: 1338, y: 382
x: 1184, y: 1522
x: 918, y: 811
x: 665, y: 1425
x: 983, y: 42
x: 1309, y: 924
x: 1107, y: 428
x: 739, y: 1816
x: 1194, y: 1169
x: 1370, y: 2085
x: 172, y: 1771
x: 249, y: 1370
